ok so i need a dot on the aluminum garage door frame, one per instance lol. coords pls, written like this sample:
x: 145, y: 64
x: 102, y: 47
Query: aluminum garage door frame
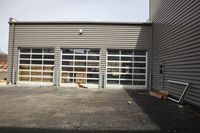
x: 80, y: 66
x: 35, y: 66
x: 126, y: 69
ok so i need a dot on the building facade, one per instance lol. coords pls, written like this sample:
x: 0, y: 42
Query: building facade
x: 112, y: 54
x: 176, y: 46
x: 93, y: 54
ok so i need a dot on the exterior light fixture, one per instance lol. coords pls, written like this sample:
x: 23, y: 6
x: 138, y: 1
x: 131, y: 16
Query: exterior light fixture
x: 80, y: 31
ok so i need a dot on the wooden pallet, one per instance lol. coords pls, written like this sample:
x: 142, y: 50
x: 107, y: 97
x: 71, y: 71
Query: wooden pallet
x: 162, y: 94
x: 82, y: 86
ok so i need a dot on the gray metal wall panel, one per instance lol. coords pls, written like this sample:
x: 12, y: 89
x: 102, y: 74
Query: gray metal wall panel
x: 10, y: 52
x: 176, y: 42
x: 103, y: 67
x: 94, y: 36
x: 57, y: 64
x: 15, y: 63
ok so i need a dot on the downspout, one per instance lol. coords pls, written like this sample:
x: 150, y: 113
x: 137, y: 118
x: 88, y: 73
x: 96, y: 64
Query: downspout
x: 152, y: 52
x: 12, y: 53
x: 152, y: 56
x: 12, y: 66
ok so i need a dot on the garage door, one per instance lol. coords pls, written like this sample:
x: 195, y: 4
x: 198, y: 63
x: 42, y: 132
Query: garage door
x: 126, y: 68
x: 36, y: 66
x: 80, y: 66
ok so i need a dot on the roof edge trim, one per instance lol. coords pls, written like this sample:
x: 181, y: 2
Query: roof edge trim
x: 81, y: 22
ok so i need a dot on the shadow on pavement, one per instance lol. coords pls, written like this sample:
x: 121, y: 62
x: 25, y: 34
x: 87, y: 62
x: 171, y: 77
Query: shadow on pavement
x: 49, y: 130
x: 168, y: 116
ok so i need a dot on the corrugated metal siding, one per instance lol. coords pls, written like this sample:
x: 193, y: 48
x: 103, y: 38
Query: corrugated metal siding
x: 176, y: 42
x: 94, y: 36
x: 15, y: 62
x: 10, y: 51
x: 57, y: 64
x: 103, y: 67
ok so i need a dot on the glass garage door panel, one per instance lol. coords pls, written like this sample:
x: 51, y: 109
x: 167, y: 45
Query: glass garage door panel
x: 126, y: 67
x: 36, y: 65
x: 80, y: 66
